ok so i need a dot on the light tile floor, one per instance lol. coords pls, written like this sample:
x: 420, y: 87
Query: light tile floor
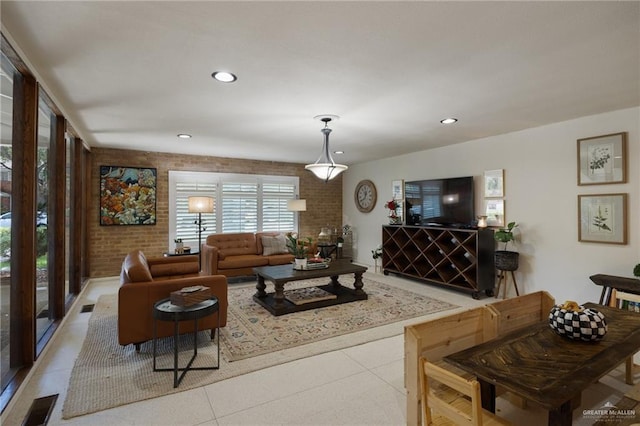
x: 361, y: 385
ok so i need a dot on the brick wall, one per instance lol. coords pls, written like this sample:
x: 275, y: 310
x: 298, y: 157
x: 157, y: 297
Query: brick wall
x: 108, y: 245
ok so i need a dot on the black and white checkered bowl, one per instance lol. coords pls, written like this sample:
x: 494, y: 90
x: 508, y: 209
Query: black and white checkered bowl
x: 587, y: 325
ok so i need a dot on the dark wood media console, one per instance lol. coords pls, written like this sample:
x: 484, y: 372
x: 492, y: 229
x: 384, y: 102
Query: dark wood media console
x: 452, y: 257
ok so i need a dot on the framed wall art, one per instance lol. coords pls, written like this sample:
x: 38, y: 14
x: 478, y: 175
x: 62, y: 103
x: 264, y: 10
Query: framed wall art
x: 127, y: 195
x: 494, y: 183
x: 397, y: 189
x: 397, y: 193
x: 494, y: 210
x: 602, y: 159
x: 602, y: 218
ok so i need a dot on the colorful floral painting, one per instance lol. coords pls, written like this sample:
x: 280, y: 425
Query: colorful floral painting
x: 127, y: 195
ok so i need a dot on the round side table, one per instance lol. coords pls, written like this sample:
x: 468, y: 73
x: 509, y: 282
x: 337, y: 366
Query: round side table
x: 164, y: 310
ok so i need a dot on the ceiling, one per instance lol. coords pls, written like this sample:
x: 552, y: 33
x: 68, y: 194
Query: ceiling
x: 135, y: 74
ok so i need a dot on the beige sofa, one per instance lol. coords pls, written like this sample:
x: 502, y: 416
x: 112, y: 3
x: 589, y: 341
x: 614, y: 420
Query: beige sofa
x: 236, y: 254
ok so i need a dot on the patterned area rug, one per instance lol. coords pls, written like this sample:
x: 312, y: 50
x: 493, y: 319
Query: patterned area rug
x: 107, y: 375
x: 253, y: 331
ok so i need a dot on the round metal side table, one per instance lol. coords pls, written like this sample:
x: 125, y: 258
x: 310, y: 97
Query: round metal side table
x: 164, y: 310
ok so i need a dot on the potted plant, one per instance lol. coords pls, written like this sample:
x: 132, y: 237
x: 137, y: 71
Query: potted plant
x: 298, y: 248
x: 506, y: 260
x: 636, y: 270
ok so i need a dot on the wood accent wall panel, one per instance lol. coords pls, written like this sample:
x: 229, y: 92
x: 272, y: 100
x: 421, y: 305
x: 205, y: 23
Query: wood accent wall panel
x: 25, y: 116
x: 56, y: 218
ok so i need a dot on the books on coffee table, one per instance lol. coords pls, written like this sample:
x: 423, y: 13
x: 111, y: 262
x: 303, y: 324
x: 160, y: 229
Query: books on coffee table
x: 300, y: 296
x: 312, y: 264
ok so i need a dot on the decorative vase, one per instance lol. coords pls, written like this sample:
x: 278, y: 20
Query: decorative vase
x: 301, y: 263
x: 582, y: 324
x: 393, y: 218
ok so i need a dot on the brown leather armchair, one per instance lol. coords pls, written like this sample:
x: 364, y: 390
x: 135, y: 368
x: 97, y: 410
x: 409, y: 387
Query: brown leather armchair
x: 145, y: 281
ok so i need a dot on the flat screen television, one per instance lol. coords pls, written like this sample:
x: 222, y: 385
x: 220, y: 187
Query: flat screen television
x: 440, y: 202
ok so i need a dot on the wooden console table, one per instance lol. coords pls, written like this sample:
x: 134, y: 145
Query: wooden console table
x: 458, y: 258
x: 608, y: 282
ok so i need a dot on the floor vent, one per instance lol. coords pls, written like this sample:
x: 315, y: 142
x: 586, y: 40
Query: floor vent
x: 40, y: 411
x: 87, y: 308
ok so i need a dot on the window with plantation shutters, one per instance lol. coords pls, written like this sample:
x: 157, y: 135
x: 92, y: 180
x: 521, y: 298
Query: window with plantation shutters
x: 185, y: 227
x: 275, y: 216
x: 243, y: 203
x: 239, y: 207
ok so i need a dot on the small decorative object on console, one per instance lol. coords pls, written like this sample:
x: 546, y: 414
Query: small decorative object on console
x: 179, y: 245
x: 312, y: 264
x: 188, y: 296
x: 576, y: 322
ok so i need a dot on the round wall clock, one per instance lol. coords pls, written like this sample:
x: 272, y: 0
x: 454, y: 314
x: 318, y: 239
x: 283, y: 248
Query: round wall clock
x: 365, y: 196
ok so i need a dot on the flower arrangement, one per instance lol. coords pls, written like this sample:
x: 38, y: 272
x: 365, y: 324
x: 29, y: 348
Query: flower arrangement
x: 377, y: 252
x: 297, y: 246
x: 392, y: 206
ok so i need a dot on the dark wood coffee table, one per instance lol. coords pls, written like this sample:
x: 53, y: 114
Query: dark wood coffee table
x: 277, y: 304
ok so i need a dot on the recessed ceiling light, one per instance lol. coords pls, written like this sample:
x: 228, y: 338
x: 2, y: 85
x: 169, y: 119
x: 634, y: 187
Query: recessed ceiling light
x: 449, y: 120
x: 184, y: 136
x: 338, y: 152
x: 223, y: 76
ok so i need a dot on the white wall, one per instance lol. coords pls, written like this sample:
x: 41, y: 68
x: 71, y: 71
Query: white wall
x: 541, y: 188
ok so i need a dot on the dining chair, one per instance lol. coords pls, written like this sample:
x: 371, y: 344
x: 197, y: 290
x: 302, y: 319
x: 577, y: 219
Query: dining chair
x: 617, y: 301
x: 437, y: 338
x: 464, y: 410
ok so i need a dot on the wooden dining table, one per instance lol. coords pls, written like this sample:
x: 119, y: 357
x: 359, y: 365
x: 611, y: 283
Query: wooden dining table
x: 551, y: 370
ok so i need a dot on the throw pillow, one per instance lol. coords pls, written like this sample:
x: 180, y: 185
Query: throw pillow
x: 274, y: 245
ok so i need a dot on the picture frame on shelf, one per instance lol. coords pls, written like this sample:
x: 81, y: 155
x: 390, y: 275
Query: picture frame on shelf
x: 494, y: 210
x: 602, y: 218
x: 602, y: 159
x: 397, y: 189
x: 127, y: 195
x: 397, y: 192
x: 494, y: 183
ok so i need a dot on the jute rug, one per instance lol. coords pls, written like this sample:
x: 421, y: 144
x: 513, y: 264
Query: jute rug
x: 107, y: 375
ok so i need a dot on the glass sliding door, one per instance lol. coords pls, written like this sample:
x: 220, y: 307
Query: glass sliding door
x: 43, y: 308
x: 6, y: 231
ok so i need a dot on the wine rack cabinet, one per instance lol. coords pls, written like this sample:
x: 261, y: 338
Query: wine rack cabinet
x: 453, y: 257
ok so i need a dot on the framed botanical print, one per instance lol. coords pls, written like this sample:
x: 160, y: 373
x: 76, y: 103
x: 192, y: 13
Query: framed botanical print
x: 602, y: 218
x: 397, y: 189
x: 494, y: 210
x: 494, y: 183
x: 602, y: 159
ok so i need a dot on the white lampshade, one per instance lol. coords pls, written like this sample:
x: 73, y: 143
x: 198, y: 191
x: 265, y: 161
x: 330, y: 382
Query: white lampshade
x: 297, y: 205
x: 326, y: 171
x: 201, y: 205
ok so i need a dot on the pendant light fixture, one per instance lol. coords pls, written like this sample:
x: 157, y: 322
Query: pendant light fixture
x: 325, y: 168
